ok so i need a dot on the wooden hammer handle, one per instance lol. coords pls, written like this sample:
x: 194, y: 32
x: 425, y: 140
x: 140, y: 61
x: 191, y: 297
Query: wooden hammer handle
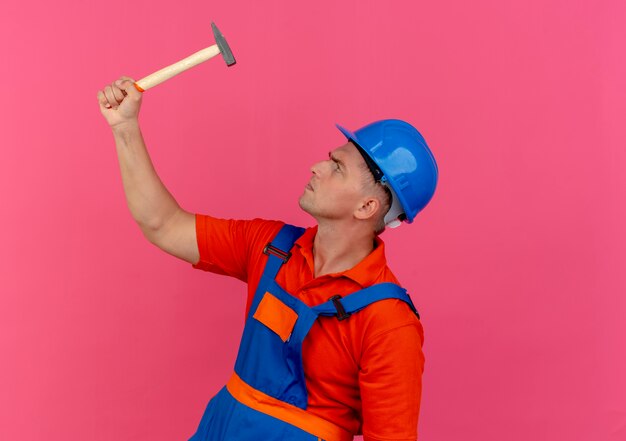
x: 170, y: 71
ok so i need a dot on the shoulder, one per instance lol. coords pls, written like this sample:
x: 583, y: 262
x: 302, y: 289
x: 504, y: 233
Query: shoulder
x: 251, y: 224
x: 238, y: 229
x: 390, y: 332
x: 262, y: 229
x: 225, y: 245
x: 390, y: 315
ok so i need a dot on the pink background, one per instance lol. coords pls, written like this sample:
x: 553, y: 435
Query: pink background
x: 517, y: 265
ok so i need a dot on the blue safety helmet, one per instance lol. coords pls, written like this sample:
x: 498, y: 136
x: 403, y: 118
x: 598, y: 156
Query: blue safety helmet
x: 399, y: 158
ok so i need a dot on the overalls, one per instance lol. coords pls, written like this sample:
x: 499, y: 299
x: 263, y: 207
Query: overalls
x: 266, y: 397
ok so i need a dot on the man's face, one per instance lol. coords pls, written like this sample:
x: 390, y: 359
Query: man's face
x: 336, y: 188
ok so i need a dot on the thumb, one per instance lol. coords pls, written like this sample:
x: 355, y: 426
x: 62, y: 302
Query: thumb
x: 127, y: 85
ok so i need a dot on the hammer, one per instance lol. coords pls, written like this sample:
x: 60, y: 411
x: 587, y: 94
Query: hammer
x: 168, y: 72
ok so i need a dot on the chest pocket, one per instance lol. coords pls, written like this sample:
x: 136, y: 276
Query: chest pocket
x: 277, y: 316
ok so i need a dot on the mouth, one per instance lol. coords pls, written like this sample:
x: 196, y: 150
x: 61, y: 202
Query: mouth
x: 308, y: 187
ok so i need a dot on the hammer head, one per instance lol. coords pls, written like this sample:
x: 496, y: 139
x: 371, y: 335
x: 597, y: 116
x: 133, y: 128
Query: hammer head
x: 223, y: 46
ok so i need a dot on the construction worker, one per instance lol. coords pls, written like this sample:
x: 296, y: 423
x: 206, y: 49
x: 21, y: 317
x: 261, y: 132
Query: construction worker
x: 332, y: 345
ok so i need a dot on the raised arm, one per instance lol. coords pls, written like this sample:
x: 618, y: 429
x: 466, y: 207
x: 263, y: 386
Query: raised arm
x: 162, y: 221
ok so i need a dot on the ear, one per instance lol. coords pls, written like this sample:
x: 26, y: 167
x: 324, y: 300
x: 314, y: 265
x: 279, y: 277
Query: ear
x: 367, y: 209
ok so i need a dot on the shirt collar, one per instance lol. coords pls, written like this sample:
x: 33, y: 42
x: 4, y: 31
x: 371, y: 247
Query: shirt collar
x: 365, y: 273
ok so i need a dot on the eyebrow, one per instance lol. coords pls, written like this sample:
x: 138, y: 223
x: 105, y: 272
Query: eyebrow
x: 337, y: 160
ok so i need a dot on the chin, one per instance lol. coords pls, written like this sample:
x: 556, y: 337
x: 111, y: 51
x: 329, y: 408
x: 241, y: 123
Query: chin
x: 306, y: 206
x: 302, y: 203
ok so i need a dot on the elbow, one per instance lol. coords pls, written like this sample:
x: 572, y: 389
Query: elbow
x: 150, y: 230
x: 156, y: 228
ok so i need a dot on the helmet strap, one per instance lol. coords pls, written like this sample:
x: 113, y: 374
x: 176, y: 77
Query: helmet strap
x: 376, y: 171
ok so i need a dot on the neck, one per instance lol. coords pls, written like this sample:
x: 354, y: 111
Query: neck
x: 338, y: 247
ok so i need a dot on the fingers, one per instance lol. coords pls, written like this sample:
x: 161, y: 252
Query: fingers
x: 113, y: 95
x: 102, y: 100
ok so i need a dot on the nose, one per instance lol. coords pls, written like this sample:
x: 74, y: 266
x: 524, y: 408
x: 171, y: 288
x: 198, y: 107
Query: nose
x: 322, y: 167
x: 316, y: 168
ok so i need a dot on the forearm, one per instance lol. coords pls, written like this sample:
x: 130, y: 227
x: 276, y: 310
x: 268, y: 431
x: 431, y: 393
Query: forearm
x: 150, y: 203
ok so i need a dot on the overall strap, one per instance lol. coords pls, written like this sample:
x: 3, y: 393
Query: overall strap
x: 278, y: 249
x: 342, y: 307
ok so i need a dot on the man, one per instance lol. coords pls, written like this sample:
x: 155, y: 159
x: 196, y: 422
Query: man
x: 332, y: 343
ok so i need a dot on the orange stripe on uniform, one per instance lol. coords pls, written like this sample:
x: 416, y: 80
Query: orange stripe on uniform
x: 257, y: 400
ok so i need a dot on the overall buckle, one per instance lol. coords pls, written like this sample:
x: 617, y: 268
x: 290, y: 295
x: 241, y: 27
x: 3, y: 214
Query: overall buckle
x: 271, y: 249
x: 341, y: 311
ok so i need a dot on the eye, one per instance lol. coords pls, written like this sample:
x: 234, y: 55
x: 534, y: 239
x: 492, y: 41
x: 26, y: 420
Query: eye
x: 337, y: 167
